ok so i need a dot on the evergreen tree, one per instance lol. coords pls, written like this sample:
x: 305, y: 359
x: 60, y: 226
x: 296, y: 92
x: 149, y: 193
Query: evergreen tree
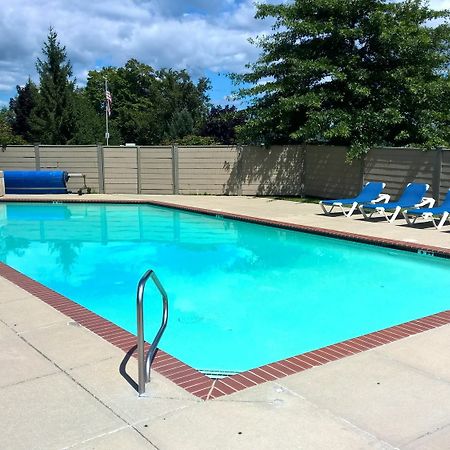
x: 21, y: 107
x: 355, y: 72
x: 181, y: 125
x: 53, y: 120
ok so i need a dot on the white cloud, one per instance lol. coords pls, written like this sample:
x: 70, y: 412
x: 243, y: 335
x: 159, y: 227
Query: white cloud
x: 199, y: 35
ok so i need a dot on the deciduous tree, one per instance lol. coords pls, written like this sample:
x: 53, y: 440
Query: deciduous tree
x: 150, y: 106
x: 221, y: 123
x: 7, y: 136
x: 354, y: 72
x: 89, y: 124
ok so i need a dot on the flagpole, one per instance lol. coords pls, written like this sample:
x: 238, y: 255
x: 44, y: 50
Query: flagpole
x: 106, y: 112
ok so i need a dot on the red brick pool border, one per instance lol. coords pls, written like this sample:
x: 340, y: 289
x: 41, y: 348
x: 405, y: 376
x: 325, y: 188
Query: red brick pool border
x: 192, y: 380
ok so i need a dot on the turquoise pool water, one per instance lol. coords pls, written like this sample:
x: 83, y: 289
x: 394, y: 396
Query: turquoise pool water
x: 241, y: 295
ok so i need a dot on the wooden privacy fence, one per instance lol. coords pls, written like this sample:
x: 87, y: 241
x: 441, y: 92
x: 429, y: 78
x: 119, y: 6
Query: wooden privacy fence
x: 318, y: 171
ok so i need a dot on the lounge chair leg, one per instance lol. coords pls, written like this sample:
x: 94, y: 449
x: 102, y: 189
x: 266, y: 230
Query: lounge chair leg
x: 361, y: 208
x: 394, y: 214
x: 445, y: 216
x: 324, y: 209
x: 407, y: 218
x: 411, y: 220
x: 351, y: 210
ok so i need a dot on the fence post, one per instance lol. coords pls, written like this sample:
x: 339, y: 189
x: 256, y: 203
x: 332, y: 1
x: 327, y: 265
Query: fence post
x: 437, y: 171
x: 101, y: 169
x: 175, y: 169
x: 363, y: 168
x: 302, y: 170
x: 237, y: 188
x: 138, y: 172
x: 305, y: 168
x: 37, y: 157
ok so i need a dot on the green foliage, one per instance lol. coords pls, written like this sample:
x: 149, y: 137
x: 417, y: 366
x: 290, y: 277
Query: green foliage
x: 7, y: 136
x: 149, y: 106
x: 53, y: 119
x: 355, y: 72
x: 21, y: 108
x: 222, y: 122
x: 192, y: 139
x: 181, y: 125
x: 89, y: 124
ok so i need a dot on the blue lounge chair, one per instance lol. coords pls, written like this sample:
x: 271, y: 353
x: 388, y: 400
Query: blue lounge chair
x: 370, y: 193
x: 412, y: 197
x: 438, y: 214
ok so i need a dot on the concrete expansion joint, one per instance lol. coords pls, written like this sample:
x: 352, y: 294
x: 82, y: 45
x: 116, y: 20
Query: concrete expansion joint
x: 294, y: 393
x: 74, y: 380
x: 27, y: 380
x: 93, y: 438
x: 43, y: 327
x: 349, y: 423
x: 210, y: 390
x: 227, y: 399
x: 370, y: 435
x: 163, y: 416
x: 193, y: 400
x: 406, y: 365
x: 428, y: 433
x: 92, y: 363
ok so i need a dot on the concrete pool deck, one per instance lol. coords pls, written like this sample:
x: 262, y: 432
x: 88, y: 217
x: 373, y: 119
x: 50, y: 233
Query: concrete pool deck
x: 62, y: 386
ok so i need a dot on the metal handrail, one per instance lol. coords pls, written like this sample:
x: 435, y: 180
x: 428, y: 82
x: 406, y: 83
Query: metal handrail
x: 145, y: 362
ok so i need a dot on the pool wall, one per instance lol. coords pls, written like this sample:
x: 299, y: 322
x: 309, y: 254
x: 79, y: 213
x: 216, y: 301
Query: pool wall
x: 195, y: 382
x: 344, y: 235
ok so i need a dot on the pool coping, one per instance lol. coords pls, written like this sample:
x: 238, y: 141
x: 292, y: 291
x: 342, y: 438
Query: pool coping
x: 194, y: 381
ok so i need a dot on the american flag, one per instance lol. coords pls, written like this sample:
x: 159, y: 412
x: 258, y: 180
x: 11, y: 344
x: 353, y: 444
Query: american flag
x: 108, y: 102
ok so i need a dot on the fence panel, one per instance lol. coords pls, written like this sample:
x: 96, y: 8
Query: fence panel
x: 399, y: 166
x: 120, y: 170
x: 327, y: 175
x: 319, y: 171
x: 156, y: 170
x: 205, y: 170
x: 445, y: 173
x: 73, y: 159
x: 267, y: 171
x: 17, y: 158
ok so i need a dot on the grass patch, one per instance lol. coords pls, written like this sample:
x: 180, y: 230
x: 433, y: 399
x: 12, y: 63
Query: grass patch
x: 299, y: 199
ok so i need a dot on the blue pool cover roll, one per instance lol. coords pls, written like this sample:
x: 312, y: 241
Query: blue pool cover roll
x: 35, y: 182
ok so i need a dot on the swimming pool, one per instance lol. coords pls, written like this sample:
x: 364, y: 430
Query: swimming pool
x: 241, y: 295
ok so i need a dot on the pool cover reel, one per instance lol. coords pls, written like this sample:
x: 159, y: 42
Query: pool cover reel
x: 35, y: 182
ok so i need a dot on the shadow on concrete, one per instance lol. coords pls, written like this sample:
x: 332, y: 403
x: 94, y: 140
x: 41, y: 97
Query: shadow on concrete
x: 123, y: 365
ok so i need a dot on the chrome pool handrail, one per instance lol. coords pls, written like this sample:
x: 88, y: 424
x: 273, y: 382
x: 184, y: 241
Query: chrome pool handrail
x: 145, y: 362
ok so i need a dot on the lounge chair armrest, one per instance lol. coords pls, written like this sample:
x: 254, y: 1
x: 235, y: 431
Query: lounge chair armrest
x: 382, y: 198
x: 426, y: 201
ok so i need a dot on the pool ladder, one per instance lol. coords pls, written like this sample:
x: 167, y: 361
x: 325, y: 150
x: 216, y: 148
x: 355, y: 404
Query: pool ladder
x: 145, y: 361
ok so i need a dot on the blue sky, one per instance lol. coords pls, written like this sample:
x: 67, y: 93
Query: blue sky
x: 206, y: 37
